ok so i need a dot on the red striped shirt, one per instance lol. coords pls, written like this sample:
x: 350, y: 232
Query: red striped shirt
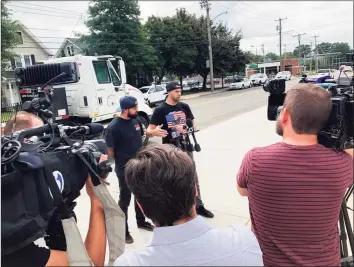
x: 295, y: 194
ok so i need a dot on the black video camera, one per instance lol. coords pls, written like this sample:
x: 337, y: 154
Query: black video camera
x: 43, y: 170
x: 338, y: 131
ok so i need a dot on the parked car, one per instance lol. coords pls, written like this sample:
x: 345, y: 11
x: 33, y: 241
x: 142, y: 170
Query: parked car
x: 318, y: 78
x: 286, y: 75
x: 144, y: 89
x: 155, y: 95
x: 325, y: 72
x: 240, y: 84
x: 258, y: 79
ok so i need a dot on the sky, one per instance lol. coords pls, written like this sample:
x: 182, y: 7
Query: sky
x: 332, y: 21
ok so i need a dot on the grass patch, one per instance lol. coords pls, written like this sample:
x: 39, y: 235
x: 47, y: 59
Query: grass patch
x: 6, y: 115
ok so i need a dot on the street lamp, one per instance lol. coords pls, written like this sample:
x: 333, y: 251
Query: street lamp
x: 256, y: 53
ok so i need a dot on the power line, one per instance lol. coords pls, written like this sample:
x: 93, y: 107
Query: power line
x: 279, y: 28
x: 49, y: 7
x: 50, y: 15
x: 25, y: 7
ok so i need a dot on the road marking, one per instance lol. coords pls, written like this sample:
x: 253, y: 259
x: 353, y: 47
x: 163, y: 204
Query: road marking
x: 215, y: 100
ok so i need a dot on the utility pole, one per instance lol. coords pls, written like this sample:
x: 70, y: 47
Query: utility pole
x: 279, y: 28
x: 263, y: 51
x: 205, y: 4
x: 311, y: 58
x: 299, y: 40
x: 316, y: 53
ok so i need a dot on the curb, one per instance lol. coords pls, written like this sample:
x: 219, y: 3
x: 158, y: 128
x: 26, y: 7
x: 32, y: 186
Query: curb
x: 203, y: 94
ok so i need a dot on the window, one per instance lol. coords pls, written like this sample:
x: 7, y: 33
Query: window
x: 68, y: 48
x: 101, y: 70
x: 18, y: 62
x: 27, y: 60
x: 159, y: 88
x: 21, y: 38
x: 115, y: 79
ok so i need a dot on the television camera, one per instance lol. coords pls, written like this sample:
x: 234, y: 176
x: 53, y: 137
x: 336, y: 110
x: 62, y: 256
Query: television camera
x: 336, y: 134
x: 54, y: 157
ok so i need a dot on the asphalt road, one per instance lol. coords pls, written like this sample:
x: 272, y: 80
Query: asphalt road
x: 212, y: 109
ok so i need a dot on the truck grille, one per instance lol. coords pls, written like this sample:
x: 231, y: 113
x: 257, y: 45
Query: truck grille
x: 38, y: 75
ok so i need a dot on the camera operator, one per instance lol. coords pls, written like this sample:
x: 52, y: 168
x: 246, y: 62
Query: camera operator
x: 163, y: 180
x: 295, y: 187
x: 123, y: 138
x: 161, y: 124
x: 37, y: 253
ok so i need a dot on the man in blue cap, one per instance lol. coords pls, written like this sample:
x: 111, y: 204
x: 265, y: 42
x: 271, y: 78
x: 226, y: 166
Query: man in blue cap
x: 123, y: 138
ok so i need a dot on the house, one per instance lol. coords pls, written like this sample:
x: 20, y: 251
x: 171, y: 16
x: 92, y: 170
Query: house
x: 71, y: 47
x: 30, y: 51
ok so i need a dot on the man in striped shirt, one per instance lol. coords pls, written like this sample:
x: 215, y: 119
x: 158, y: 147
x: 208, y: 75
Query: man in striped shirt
x: 296, y: 187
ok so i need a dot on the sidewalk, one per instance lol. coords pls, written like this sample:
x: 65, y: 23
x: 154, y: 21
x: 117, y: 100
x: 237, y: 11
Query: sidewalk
x: 194, y: 95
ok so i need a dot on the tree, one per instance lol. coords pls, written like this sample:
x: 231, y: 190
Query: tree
x: 115, y: 29
x: 9, y: 38
x: 342, y: 48
x: 304, y: 50
x: 272, y: 56
x: 227, y: 56
x: 157, y: 30
x: 184, y: 53
x: 324, y: 48
x: 288, y: 55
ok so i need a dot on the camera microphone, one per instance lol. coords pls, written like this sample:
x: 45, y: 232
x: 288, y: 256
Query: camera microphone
x: 89, y: 129
x: 175, y: 135
x: 190, y: 126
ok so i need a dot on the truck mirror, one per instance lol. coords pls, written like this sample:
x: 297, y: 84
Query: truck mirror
x: 123, y: 74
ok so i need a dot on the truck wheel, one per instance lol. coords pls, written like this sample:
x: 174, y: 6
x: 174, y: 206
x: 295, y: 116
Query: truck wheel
x: 145, y: 138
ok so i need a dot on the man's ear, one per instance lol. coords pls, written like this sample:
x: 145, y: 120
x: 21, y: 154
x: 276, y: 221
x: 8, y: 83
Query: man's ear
x: 284, y: 115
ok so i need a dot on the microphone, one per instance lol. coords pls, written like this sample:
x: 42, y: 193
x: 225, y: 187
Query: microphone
x: 89, y: 129
x: 196, y: 145
x: 175, y: 135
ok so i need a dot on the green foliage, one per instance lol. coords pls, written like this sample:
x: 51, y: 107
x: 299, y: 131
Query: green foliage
x: 9, y: 37
x: 115, y: 29
x: 272, y: 56
x: 181, y: 44
x: 304, y: 50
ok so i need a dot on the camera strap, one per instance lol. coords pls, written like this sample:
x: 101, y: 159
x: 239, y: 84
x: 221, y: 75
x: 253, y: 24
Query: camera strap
x: 76, y: 251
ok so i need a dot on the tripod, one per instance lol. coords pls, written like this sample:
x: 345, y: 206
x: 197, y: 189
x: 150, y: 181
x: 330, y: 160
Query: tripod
x: 346, y: 231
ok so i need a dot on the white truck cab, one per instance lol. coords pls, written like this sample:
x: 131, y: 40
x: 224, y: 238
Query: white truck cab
x: 94, y: 97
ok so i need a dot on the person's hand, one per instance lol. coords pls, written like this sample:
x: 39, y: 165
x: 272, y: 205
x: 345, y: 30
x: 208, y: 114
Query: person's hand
x: 89, y: 184
x: 180, y: 129
x: 160, y: 132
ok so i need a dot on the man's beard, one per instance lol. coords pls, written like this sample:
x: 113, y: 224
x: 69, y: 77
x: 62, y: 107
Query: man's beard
x: 279, y: 128
x: 176, y: 99
x: 133, y: 116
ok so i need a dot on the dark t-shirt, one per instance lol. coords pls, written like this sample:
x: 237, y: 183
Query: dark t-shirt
x: 295, y: 194
x: 33, y: 255
x: 171, y: 116
x: 124, y: 136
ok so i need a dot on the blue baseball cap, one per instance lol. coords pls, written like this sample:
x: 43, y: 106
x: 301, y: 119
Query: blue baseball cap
x: 128, y: 102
